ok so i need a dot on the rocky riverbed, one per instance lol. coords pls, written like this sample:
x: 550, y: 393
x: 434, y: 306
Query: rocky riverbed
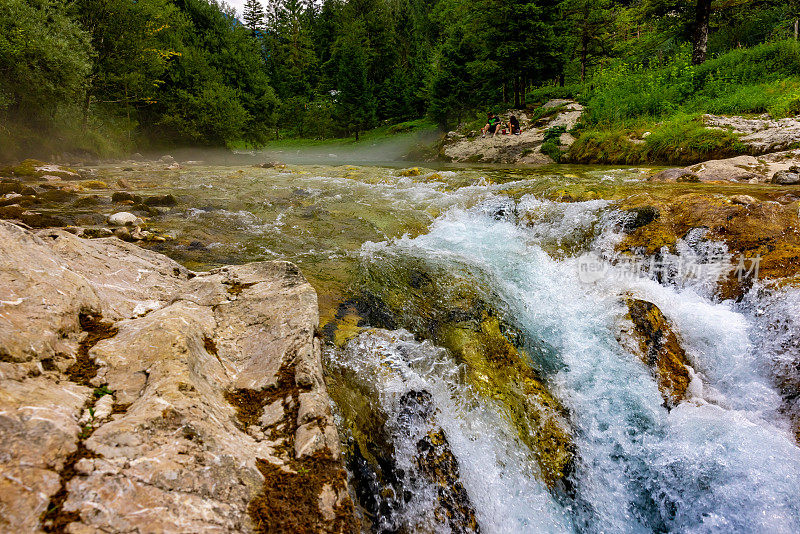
x: 480, y: 378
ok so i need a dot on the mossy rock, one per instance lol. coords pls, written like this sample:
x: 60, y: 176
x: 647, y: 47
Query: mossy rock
x: 659, y: 349
x: 378, y: 480
x: 500, y: 371
x: 94, y: 184
x: 445, y: 306
x: 769, y: 231
x: 413, y: 171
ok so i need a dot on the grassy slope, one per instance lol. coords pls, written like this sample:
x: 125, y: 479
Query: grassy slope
x: 625, y: 101
x: 378, y: 134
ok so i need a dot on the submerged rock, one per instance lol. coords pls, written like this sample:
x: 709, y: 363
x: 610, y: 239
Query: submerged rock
x: 164, y: 200
x: 124, y: 196
x: 137, y: 371
x: 414, y: 171
x: 638, y: 217
x: 399, y: 455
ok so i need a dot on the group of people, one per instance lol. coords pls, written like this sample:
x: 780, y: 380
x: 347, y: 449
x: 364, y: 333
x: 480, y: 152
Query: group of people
x: 494, y: 126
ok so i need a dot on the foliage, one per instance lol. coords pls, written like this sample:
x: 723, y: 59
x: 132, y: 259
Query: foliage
x: 741, y: 81
x: 105, y: 75
x: 551, y: 148
x: 44, y: 59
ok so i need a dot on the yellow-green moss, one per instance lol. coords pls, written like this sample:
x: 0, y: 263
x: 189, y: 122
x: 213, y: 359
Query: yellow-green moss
x: 446, y: 308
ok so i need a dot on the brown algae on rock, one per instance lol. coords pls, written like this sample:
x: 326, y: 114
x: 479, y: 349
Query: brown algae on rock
x: 659, y: 349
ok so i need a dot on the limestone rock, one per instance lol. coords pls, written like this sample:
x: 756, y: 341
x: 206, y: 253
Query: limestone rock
x: 124, y: 218
x: 751, y: 169
x: 126, y: 384
x: 523, y: 148
x: 750, y: 228
x: 761, y: 135
x: 787, y: 177
x: 445, y: 308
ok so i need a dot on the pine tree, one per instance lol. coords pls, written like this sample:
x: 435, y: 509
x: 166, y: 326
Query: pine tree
x: 355, y: 99
x: 253, y: 14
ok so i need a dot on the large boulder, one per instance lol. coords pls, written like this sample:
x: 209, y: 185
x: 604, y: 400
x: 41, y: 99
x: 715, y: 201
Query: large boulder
x: 790, y: 176
x: 138, y: 396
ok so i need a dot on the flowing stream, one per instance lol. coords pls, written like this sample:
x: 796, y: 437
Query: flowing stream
x: 723, y: 460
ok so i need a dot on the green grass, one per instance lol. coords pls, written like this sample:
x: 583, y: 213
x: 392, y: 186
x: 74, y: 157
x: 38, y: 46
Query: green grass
x: 680, y: 140
x: 386, y: 131
x: 762, y: 79
x: 624, y: 101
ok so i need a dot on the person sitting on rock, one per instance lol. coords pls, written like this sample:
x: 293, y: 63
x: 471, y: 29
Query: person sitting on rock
x: 493, y: 122
x: 513, y: 126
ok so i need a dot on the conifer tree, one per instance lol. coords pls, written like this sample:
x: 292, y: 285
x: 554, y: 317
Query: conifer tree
x: 253, y: 15
x: 355, y: 99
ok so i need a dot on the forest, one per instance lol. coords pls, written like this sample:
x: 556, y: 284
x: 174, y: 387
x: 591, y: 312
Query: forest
x: 108, y: 76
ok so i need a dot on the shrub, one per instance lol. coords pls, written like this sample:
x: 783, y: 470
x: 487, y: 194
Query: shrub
x: 551, y: 148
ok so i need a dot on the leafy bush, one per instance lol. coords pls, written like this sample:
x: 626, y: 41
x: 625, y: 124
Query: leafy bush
x: 554, y: 133
x: 544, y: 94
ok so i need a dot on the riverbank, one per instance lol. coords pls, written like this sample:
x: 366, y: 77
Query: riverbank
x: 140, y: 395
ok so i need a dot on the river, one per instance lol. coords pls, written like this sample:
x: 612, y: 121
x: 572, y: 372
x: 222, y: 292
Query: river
x: 373, y: 242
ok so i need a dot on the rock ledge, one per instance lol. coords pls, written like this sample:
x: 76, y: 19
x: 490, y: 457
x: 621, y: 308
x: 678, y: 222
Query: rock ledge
x: 137, y: 396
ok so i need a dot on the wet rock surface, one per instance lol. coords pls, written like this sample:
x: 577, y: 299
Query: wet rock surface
x: 757, y: 233
x: 398, y: 454
x: 125, y: 384
x: 439, y: 305
x: 656, y: 343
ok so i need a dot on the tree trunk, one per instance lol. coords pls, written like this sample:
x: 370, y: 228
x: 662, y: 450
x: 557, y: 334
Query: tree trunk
x: 796, y: 28
x: 516, y: 92
x: 700, y: 40
x: 584, y: 59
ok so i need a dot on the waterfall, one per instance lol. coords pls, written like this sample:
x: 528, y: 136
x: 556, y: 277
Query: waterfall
x: 723, y: 460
